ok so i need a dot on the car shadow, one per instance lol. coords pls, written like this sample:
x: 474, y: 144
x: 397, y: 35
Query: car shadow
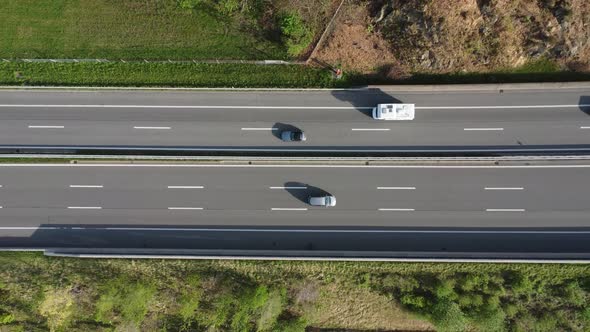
x: 584, y: 104
x: 280, y: 127
x: 364, y: 100
x: 302, y: 191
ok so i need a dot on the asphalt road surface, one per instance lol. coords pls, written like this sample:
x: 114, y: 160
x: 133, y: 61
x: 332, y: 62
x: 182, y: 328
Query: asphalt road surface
x: 522, y: 208
x: 331, y: 119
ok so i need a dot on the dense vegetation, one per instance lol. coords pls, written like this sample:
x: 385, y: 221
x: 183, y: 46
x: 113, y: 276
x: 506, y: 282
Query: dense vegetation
x: 39, y: 293
x: 163, y: 74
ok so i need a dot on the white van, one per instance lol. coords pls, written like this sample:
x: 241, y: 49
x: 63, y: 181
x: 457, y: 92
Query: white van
x: 393, y: 112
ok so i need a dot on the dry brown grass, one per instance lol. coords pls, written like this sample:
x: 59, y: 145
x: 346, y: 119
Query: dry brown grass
x: 352, y: 45
x: 339, y: 306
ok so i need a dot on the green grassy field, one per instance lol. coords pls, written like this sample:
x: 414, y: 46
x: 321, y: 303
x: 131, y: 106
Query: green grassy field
x: 38, y: 293
x: 130, y: 29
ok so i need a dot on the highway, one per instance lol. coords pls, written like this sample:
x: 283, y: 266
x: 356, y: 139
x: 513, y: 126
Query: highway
x: 448, y: 208
x: 331, y: 119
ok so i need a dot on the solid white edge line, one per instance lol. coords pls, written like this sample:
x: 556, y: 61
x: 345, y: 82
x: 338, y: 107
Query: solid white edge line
x: 370, y: 129
x: 585, y: 127
x: 288, y: 209
x: 184, y: 208
x: 505, y: 210
x: 185, y: 187
x: 396, y: 188
x: 184, y: 106
x: 155, y: 128
x: 86, y: 186
x: 483, y: 129
x: 294, y: 230
x: 285, y: 107
x: 287, y: 187
x: 302, y: 166
x: 394, y: 209
x: 499, y: 107
x: 261, y: 129
x: 46, y: 127
x: 504, y: 188
x: 85, y: 207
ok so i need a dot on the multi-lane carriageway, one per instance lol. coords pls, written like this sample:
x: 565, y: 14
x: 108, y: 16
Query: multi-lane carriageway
x: 332, y: 120
x: 454, y: 208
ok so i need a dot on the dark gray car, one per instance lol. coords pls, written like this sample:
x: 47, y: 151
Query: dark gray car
x: 293, y: 136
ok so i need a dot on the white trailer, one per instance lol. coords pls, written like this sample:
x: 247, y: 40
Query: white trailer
x: 393, y: 112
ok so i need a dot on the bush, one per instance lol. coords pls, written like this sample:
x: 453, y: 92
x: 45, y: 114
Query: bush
x: 297, y: 35
x: 574, y: 294
x: 6, y: 318
x: 57, y: 307
x: 128, y: 298
x: 447, y: 316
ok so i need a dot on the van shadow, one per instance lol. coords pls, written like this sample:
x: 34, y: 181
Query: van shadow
x: 584, y: 104
x: 302, y: 191
x: 364, y: 100
x: 279, y: 128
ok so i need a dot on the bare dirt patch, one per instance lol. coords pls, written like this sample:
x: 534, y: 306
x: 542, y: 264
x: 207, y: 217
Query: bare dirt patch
x: 446, y: 36
x: 352, y: 44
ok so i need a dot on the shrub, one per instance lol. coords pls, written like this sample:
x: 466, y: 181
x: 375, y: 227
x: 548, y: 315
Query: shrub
x: 271, y: 310
x: 447, y: 316
x: 6, y: 318
x: 297, y: 35
x: 130, y: 299
x: 57, y: 308
x: 574, y: 294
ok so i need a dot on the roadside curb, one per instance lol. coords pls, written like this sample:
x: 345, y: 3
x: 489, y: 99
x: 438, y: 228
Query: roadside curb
x: 401, y: 257
x: 408, y: 257
x: 492, y: 87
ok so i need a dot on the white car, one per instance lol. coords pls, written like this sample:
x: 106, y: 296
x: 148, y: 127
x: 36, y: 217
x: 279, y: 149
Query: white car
x: 393, y: 112
x: 327, y: 200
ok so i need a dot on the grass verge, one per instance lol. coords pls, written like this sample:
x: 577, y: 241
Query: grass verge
x: 247, y: 75
x: 165, y: 75
x: 184, y: 295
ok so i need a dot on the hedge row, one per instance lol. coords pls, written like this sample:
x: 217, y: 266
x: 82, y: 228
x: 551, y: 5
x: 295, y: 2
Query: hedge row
x: 165, y: 75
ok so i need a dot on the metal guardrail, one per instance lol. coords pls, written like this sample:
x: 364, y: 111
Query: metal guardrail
x: 317, y: 152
